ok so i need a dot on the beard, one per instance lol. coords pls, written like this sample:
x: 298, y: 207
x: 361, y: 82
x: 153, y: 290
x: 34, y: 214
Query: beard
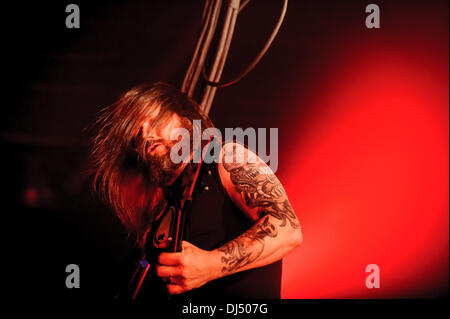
x: 161, y: 168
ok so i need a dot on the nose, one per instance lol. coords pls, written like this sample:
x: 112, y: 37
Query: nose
x: 150, y: 133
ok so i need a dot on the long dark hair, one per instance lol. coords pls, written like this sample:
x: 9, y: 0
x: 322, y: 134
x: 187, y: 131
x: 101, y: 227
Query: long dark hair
x: 120, y: 176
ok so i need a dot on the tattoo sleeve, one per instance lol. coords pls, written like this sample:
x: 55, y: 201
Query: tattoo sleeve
x: 259, y: 188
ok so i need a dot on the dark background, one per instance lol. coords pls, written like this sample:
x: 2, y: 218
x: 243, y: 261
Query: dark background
x: 57, y: 79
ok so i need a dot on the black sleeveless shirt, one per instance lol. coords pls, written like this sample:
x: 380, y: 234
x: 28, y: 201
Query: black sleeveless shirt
x: 212, y: 221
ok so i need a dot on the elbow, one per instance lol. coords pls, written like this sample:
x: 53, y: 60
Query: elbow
x: 299, y: 236
x: 296, y: 237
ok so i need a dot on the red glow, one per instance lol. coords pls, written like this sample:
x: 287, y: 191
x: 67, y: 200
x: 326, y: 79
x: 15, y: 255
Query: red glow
x: 31, y: 196
x: 371, y: 176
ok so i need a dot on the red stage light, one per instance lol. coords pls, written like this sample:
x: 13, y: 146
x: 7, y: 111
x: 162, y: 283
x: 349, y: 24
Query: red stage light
x: 369, y: 181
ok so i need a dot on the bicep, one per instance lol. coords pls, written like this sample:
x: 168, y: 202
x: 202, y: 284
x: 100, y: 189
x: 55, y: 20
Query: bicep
x: 253, y: 186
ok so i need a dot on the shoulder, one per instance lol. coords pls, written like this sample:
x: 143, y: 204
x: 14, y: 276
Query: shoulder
x: 235, y: 153
x: 235, y: 156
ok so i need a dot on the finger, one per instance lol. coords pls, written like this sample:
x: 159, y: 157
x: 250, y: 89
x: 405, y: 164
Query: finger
x: 167, y: 271
x: 185, y: 244
x: 169, y: 259
x: 176, y: 281
x: 175, y: 289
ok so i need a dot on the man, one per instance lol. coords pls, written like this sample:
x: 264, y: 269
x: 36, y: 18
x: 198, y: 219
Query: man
x: 240, y: 223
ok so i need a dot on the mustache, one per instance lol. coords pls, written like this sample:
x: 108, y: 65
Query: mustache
x: 151, y: 143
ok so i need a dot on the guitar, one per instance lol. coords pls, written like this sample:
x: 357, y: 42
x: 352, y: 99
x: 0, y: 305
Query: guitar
x: 166, y: 232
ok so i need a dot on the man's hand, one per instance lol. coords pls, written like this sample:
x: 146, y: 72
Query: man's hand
x: 191, y: 268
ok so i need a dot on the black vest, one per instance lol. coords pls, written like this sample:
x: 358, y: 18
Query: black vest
x: 213, y: 220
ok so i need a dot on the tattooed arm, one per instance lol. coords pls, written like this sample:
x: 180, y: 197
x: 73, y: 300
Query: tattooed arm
x: 256, y: 190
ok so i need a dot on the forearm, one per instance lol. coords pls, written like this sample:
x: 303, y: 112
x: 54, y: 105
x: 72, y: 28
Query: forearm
x: 267, y: 241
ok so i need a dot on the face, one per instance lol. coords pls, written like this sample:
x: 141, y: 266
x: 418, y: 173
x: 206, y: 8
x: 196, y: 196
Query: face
x: 162, y: 170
